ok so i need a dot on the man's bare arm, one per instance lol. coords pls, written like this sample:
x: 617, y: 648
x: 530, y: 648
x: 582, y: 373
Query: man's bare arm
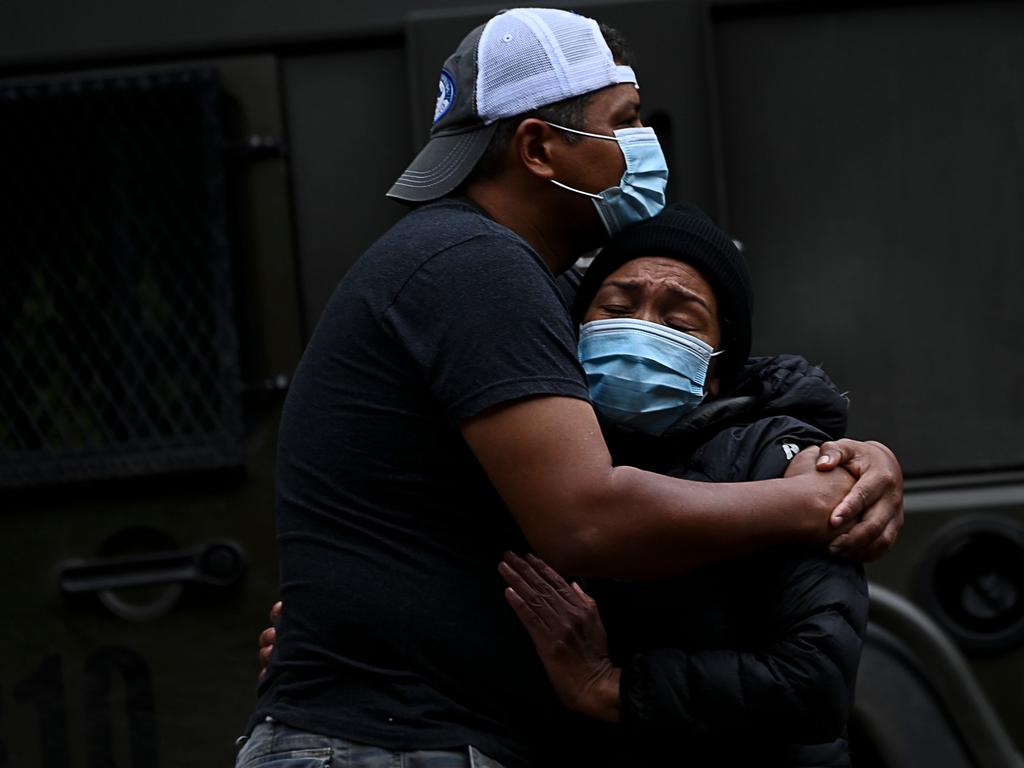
x: 548, y: 460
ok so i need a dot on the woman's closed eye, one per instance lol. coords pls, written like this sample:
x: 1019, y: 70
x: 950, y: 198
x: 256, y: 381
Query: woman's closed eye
x: 683, y: 327
x: 618, y: 310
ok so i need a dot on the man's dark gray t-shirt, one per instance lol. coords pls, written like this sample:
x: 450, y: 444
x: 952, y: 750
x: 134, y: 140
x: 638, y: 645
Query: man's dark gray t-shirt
x: 395, y: 630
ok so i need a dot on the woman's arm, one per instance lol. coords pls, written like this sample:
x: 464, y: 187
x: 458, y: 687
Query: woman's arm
x: 798, y: 688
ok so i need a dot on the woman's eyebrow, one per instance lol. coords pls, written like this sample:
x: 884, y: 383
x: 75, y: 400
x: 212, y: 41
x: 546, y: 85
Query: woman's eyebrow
x: 632, y: 284
x: 624, y: 283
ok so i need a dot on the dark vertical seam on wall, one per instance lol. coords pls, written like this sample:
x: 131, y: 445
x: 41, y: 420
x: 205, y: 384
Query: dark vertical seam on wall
x: 293, y: 234
x: 715, y: 118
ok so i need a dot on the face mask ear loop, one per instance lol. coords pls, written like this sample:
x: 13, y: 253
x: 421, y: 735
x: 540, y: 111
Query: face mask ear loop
x: 583, y: 133
x: 573, y: 189
x: 704, y: 386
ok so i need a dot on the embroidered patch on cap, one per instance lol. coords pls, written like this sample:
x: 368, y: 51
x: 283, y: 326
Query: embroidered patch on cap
x: 445, y: 94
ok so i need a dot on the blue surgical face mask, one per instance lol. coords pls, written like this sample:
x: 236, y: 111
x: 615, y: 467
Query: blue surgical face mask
x: 643, y: 376
x: 641, y: 192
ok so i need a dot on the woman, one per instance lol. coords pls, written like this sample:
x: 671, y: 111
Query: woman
x: 750, y: 662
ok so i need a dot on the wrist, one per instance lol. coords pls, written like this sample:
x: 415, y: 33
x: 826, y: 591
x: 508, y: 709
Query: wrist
x: 602, y: 699
x: 813, y: 507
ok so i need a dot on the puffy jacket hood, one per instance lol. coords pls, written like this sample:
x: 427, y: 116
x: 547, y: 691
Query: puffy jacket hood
x: 784, y: 385
x: 772, y: 386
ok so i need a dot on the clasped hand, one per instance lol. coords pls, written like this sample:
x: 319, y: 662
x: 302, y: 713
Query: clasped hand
x: 865, y: 523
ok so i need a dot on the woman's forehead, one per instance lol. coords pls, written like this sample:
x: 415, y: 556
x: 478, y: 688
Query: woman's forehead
x: 661, y: 269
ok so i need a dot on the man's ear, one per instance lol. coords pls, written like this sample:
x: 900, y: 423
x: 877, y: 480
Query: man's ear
x: 536, y: 145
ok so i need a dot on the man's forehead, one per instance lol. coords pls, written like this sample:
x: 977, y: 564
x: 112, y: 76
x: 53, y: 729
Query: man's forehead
x: 616, y: 98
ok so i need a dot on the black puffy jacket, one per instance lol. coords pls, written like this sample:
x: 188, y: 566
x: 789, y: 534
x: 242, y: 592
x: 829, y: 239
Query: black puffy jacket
x: 750, y: 662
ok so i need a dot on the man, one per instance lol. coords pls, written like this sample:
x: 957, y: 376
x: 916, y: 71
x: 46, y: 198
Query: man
x: 439, y: 417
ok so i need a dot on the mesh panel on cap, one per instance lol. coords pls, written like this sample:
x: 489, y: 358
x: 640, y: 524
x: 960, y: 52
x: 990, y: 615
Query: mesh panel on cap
x: 532, y: 57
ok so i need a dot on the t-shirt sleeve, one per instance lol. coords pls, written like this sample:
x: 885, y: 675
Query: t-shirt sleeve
x: 483, y: 323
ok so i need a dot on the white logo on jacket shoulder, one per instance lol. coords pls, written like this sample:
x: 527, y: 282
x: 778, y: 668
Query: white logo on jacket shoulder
x: 791, y: 450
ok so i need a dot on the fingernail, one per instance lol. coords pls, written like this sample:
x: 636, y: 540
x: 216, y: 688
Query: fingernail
x: 822, y: 460
x: 837, y: 519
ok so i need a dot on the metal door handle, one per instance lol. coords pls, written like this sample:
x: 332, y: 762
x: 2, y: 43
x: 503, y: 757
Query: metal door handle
x: 218, y: 563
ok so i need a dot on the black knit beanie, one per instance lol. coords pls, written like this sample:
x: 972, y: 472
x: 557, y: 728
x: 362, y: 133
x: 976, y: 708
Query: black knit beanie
x: 685, y: 232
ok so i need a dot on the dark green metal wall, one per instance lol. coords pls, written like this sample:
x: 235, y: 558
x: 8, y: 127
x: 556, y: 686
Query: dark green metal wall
x: 868, y: 155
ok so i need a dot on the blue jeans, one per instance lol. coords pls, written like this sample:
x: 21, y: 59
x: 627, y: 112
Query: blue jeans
x: 276, y: 745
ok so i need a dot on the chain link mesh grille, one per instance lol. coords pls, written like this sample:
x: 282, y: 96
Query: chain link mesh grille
x: 118, y: 353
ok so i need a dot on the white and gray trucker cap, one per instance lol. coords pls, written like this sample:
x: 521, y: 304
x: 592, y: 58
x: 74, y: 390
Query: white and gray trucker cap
x: 522, y: 59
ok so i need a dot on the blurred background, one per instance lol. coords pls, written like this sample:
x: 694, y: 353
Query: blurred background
x: 182, y: 185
